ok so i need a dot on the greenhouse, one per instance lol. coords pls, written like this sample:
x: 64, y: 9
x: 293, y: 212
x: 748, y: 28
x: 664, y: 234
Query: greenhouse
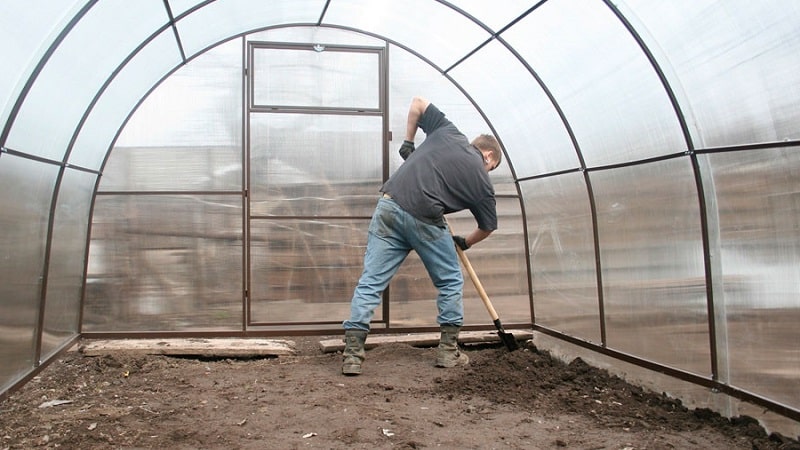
x: 202, y: 169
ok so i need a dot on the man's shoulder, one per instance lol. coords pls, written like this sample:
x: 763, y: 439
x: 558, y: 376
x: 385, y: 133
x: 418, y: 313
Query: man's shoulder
x: 433, y: 119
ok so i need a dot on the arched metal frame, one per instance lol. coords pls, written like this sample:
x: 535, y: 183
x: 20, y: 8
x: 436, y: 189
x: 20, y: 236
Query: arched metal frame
x: 708, y: 224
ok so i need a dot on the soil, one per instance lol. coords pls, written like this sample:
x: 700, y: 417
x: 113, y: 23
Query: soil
x: 516, y: 400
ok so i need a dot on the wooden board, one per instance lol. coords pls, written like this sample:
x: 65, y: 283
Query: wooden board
x: 425, y: 339
x: 212, y: 347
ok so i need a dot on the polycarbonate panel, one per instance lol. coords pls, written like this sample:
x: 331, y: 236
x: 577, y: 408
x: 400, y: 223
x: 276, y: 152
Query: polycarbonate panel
x: 495, y: 14
x: 601, y: 78
x: 308, y: 77
x: 410, y: 23
x: 419, y: 78
x: 314, y: 35
x: 65, y: 277
x: 412, y: 297
x: 497, y: 262
x: 533, y: 134
x: 651, y: 255
x: 736, y: 62
x: 561, y: 241
x: 198, y: 105
x: 179, y: 7
x: 122, y: 96
x: 28, y: 29
x: 102, y: 39
x: 758, y: 193
x: 305, y: 271
x: 314, y: 165
x: 26, y: 190
x: 165, y: 263
x: 187, y: 135
x: 412, y: 76
x: 219, y: 20
x: 207, y: 168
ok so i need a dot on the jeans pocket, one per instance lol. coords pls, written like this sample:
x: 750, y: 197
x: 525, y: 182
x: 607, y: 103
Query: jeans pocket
x: 427, y: 232
x: 382, y: 221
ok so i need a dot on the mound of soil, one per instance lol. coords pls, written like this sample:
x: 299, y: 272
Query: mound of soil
x: 517, y: 400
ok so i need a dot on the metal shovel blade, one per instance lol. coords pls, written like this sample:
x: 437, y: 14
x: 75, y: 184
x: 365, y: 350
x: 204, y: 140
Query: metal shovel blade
x: 508, y: 339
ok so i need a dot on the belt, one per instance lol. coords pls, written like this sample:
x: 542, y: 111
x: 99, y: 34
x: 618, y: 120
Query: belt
x: 385, y: 195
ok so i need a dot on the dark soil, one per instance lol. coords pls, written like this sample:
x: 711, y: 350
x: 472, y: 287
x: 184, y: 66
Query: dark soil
x: 515, y: 400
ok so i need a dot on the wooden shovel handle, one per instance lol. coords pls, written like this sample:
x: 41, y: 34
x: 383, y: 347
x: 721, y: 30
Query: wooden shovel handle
x: 474, y: 277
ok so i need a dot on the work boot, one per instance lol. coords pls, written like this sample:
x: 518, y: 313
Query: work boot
x: 448, y: 354
x: 353, y: 351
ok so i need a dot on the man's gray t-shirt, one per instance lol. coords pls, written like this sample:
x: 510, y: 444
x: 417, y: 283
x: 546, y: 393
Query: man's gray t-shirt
x: 444, y: 174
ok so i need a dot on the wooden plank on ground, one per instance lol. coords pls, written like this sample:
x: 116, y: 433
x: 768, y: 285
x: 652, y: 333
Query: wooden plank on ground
x: 425, y: 339
x: 213, y: 347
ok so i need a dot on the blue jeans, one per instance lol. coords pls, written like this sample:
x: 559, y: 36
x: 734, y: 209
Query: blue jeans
x: 393, y: 233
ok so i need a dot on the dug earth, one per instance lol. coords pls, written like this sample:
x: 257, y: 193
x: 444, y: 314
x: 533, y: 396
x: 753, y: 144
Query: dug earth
x: 524, y: 399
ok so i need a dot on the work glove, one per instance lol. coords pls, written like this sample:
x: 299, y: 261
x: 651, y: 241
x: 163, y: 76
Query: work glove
x: 406, y: 149
x: 461, y: 242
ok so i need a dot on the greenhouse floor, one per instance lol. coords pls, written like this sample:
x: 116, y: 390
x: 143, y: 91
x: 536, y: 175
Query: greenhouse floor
x: 522, y: 399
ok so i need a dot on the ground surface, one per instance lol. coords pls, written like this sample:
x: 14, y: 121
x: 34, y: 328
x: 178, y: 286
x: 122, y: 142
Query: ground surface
x: 515, y: 400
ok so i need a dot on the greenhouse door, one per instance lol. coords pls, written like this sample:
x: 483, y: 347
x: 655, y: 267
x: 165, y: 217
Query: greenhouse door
x: 317, y: 157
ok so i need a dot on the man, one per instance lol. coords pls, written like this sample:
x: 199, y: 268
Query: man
x: 445, y: 174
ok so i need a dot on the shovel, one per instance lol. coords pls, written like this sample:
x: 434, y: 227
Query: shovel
x: 507, y: 338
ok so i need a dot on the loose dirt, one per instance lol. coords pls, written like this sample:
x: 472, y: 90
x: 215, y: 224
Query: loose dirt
x: 501, y: 400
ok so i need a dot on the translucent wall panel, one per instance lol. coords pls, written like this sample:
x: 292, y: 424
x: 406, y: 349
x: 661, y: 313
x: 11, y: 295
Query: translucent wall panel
x: 416, y: 77
x: 66, y: 269
x: 758, y: 193
x: 602, y: 80
x: 311, y: 34
x: 563, y: 268
x: 495, y: 15
x: 314, y: 165
x: 305, y: 271
x: 736, y: 62
x: 187, y: 135
x: 304, y: 77
x: 179, y: 7
x: 173, y: 169
x: 219, y: 20
x: 652, y: 261
x: 64, y: 89
x: 413, y: 296
x: 533, y: 134
x: 499, y: 262
x: 165, y: 263
x: 408, y: 22
x: 26, y: 190
x: 121, y: 97
x: 28, y: 29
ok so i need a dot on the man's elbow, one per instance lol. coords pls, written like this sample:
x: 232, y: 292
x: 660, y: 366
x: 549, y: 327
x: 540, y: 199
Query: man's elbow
x: 419, y: 104
x: 482, y: 234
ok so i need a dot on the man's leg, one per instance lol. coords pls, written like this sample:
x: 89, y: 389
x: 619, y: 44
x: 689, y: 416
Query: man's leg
x: 386, y: 250
x: 437, y: 251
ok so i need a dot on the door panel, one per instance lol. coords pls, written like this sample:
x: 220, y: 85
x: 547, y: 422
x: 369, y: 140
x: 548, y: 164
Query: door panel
x: 317, y: 156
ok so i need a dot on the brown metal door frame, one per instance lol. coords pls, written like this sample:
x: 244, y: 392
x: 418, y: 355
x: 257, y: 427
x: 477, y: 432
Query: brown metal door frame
x: 251, y: 108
